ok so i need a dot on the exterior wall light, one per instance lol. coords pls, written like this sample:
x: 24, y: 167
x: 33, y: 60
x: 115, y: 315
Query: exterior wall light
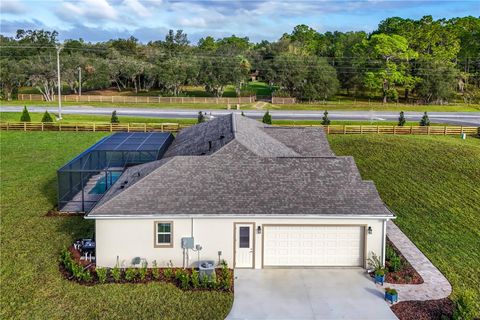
x: 259, y: 230
x: 369, y: 230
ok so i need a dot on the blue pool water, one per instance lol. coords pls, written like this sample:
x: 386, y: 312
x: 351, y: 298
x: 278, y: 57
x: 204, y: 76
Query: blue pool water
x: 99, y: 187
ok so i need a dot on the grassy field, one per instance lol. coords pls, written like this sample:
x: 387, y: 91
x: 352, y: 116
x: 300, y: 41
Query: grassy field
x: 30, y: 282
x: 330, y: 105
x: 433, y: 185
x: 36, y: 117
x: 257, y: 87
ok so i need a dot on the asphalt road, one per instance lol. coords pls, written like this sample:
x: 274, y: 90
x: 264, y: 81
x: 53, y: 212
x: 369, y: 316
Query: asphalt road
x: 454, y: 118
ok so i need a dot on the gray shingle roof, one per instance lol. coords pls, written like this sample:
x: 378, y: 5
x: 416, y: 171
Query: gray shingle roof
x: 253, y: 170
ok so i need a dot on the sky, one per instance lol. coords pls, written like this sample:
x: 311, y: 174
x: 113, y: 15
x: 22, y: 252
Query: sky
x: 100, y: 20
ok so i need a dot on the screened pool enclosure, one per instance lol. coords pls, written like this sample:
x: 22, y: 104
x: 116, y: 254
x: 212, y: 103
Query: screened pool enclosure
x: 83, y: 181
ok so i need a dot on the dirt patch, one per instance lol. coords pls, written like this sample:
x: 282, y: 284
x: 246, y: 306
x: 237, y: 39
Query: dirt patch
x: 424, y: 310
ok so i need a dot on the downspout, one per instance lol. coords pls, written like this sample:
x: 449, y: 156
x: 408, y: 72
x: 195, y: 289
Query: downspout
x: 384, y: 240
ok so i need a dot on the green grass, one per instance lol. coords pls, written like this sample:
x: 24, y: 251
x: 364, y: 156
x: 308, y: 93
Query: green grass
x: 193, y: 106
x: 377, y: 106
x: 433, y: 185
x: 36, y: 117
x: 330, y: 105
x: 30, y: 283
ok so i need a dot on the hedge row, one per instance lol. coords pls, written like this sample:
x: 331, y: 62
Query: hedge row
x: 186, y: 279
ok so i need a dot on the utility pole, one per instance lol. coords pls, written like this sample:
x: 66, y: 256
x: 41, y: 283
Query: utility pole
x: 59, y: 85
x: 79, y: 81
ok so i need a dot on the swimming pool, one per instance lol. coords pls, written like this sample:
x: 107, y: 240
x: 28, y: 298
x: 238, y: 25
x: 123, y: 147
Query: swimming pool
x: 107, y: 182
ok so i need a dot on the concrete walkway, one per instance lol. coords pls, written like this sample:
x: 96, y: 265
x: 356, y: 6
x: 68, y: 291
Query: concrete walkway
x: 435, y: 285
x: 307, y: 294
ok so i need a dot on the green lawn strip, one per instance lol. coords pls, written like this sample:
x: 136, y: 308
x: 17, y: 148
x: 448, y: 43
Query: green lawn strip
x: 36, y: 117
x: 376, y: 106
x: 30, y: 282
x: 342, y: 105
x: 432, y: 184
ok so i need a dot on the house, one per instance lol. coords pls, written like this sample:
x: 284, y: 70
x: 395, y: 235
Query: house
x: 254, y: 195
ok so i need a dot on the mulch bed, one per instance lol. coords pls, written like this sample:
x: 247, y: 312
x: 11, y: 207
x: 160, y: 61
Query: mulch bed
x: 424, y: 310
x: 148, y: 278
x: 407, y: 275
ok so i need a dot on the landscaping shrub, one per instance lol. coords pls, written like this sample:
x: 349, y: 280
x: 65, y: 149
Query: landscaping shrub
x: 155, y: 270
x: 183, y: 278
x: 143, y: 271
x: 131, y: 274
x: 168, y: 273
x: 465, y: 306
x: 195, y: 277
x: 394, y: 259
x: 225, y: 276
x: 114, y: 118
x: 375, y: 262
x: 25, y: 117
x: 200, y: 117
x: 102, y: 274
x: 78, y: 271
x: 325, y: 119
x: 47, y: 117
x: 401, y: 119
x: 425, y: 121
x: 267, y: 118
x: 116, y: 273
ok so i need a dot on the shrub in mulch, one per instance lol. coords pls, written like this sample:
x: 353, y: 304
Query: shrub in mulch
x: 85, y: 273
x: 399, y: 270
x: 405, y: 274
x: 424, y: 310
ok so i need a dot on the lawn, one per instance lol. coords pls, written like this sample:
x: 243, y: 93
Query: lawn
x: 329, y: 105
x: 30, y: 282
x: 433, y: 186
x: 37, y: 117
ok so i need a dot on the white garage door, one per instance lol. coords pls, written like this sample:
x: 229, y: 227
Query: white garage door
x: 313, y: 246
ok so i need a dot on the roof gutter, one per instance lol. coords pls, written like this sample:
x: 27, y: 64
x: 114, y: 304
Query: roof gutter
x: 212, y: 216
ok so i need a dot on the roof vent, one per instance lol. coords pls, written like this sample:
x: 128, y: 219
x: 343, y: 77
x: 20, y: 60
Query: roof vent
x: 209, y: 145
x: 122, y: 186
x: 222, y: 137
x: 125, y: 182
x: 138, y: 174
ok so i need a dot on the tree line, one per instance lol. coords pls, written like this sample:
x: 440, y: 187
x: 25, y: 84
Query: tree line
x: 430, y: 61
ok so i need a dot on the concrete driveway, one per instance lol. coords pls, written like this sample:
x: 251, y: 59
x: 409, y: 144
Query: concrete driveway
x: 307, y: 294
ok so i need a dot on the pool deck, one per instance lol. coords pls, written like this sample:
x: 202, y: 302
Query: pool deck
x: 90, y: 198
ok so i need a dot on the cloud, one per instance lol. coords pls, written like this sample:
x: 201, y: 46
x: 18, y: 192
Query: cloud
x: 12, y: 7
x: 89, y: 10
x: 196, y: 22
x: 137, y: 7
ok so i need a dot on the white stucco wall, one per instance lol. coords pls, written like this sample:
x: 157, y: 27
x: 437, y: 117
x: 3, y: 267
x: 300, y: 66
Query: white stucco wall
x: 129, y: 238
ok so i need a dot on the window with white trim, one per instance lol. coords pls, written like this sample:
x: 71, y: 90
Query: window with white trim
x: 163, y: 233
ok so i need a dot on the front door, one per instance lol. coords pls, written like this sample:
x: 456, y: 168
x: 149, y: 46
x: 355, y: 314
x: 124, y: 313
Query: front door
x: 244, y: 245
